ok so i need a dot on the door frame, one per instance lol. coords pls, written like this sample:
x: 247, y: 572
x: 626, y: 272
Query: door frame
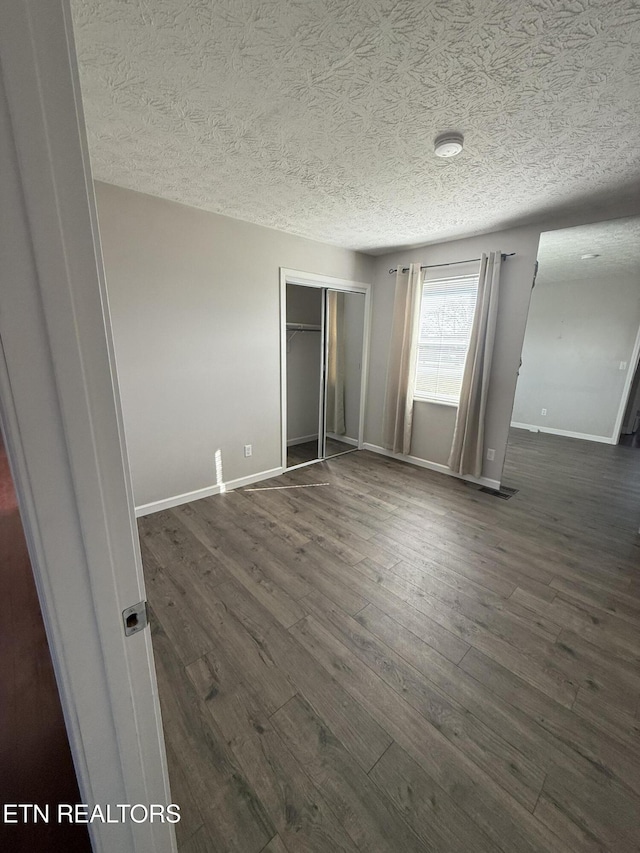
x: 632, y: 366
x: 62, y: 422
x: 306, y: 279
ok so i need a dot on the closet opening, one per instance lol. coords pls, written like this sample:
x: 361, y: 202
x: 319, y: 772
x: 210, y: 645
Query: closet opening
x: 324, y: 352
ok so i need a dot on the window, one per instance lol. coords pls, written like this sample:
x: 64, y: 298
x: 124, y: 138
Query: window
x: 446, y: 315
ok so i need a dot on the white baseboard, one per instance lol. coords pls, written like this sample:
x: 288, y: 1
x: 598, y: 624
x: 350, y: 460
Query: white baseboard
x: 343, y: 438
x: 529, y: 427
x: 177, y: 500
x: 601, y: 439
x: 433, y: 466
x: 302, y: 439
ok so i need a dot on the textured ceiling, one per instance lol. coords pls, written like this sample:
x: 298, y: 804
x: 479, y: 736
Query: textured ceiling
x: 318, y: 116
x: 617, y: 242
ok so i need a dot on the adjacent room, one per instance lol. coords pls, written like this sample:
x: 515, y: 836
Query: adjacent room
x: 373, y: 273
x: 580, y: 352
x: 577, y: 389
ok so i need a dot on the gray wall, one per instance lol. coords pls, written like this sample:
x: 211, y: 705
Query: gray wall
x: 195, y: 304
x: 195, y: 307
x: 577, y: 334
x: 433, y: 423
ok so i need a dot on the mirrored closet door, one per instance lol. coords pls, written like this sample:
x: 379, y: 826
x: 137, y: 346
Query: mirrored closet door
x: 325, y: 331
x: 344, y: 314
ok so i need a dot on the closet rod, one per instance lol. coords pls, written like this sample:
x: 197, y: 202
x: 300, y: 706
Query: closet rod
x: 452, y: 263
x: 303, y: 327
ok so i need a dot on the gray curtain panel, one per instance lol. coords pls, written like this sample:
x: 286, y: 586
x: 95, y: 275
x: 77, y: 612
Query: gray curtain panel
x: 401, y: 369
x: 468, y: 438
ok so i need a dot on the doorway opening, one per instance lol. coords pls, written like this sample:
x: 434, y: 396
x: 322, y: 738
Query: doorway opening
x: 630, y: 427
x: 578, y: 388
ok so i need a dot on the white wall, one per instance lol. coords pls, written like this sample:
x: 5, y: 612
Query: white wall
x: 195, y: 307
x: 578, y: 333
x: 304, y: 363
x: 433, y: 423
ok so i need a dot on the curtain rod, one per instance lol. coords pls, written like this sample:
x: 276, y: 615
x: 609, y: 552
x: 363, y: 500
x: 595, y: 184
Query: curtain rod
x: 452, y: 263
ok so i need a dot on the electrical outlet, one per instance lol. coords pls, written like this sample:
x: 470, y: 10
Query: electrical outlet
x: 491, y: 455
x: 623, y: 365
x: 248, y: 449
x: 543, y: 412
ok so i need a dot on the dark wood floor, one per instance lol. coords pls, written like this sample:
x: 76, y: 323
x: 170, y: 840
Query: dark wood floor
x: 399, y: 662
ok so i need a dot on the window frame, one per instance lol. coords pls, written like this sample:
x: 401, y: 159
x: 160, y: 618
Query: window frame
x: 427, y: 397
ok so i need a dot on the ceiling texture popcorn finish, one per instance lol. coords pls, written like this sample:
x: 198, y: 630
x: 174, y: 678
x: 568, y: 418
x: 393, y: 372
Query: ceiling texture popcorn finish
x: 318, y: 117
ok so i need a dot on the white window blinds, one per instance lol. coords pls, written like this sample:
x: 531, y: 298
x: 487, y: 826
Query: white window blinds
x: 446, y: 315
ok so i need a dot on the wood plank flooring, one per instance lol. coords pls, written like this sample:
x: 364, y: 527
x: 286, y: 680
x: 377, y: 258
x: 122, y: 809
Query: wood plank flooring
x: 396, y: 661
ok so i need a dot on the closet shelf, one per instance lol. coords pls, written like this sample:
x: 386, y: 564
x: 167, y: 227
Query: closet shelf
x: 303, y: 327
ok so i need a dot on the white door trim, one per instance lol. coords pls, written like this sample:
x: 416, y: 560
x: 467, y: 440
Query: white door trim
x: 631, y: 370
x: 308, y: 279
x: 63, y: 426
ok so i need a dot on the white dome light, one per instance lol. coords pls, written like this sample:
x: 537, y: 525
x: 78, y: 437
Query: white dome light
x: 448, y: 144
x: 588, y: 257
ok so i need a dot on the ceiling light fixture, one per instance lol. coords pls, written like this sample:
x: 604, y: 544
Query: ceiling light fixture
x: 448, y: 144
x: 588, y: 257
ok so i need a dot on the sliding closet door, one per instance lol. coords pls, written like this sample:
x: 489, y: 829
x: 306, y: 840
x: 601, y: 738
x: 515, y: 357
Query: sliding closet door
x: 344, y: 324
x: 305, y: 411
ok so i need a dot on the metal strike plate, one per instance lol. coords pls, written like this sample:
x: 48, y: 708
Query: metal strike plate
x: 135, y: 618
